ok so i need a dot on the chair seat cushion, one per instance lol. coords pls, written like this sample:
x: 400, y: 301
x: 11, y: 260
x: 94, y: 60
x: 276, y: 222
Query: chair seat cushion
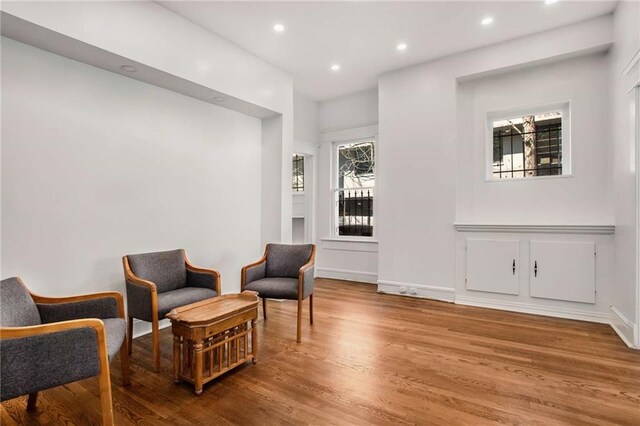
x: 275, y: 288
x: 115, y: 329
x: 183, y: 296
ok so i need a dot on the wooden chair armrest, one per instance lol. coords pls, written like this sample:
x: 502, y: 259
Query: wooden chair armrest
x: 309, y: 264
x: 82, y: 297
x: 243, y: 274
x: 193, y: 268
x: 304, y: 268
x: 36, y: 330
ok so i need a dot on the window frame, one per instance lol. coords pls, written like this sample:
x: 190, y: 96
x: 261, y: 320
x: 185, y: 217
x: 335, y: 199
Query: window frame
x: 335, y: 188
x: 304, y: 159
x: 490, y: 117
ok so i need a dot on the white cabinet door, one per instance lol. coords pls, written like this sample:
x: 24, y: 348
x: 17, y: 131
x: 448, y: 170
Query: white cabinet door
x: 563, y: 271
x: 493, y: 265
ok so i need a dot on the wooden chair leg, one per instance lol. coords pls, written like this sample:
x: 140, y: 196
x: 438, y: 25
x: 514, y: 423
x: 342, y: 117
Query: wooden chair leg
x: 264, y: 308
x: 124, y: 362
x: 311, y: 309
x: 130, y: 335
x: 156, y: 343
x: 32, y: 401
x: 299, y: 335
x: 106, y: 404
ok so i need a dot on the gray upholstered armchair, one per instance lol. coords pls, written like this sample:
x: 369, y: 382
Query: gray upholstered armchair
x: 285, y: 271
x: 158, y: 282
x: 47, y: 342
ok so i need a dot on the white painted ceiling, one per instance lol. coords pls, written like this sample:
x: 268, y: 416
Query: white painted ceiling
x: 362, y: 36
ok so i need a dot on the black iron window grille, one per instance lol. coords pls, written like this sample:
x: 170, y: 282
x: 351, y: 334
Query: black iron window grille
x: 527, y: 147
x: 298, y: 173
x: 355, y: 212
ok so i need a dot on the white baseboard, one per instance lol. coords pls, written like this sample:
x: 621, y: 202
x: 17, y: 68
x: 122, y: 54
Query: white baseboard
x: 527, y: 308
x: 344, y: 274
x: 621, y: 325
x: 417, y: 290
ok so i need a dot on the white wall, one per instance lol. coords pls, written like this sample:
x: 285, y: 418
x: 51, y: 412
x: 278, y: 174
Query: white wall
x: 584, y: 198
x: 627, y: 44
x: 148, y: 34
x: 417, y: 150
x: 96, y: 165
x: 305, y: 120
x: 272, y: 161
x: 305, y: 142
x: 348, y: 112
x: 356, y: 116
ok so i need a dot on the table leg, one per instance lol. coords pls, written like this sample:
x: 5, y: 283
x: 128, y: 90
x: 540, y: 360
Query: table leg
x: 198, y: 366
x: 176, y: 357
x: 254, y: 340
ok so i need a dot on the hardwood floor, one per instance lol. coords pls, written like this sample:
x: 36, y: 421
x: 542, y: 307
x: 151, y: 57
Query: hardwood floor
x: 379, y: 359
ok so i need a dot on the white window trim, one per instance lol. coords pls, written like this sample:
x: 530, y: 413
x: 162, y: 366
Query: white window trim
x: 335, y: 188
x: 564, y: 106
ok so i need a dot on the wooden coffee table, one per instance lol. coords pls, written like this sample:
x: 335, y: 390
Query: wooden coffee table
x: 213, y: 336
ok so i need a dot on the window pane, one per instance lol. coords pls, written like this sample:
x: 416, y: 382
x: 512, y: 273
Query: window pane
x: 355, y: 212
x: 298, y: 173
x: 528, y: 146
x: 356, y: 165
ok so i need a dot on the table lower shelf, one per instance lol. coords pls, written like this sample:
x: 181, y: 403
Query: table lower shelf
x: 199, y: 362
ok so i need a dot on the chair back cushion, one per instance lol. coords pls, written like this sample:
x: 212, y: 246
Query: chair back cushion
x: 166, y: 269
x: 285, y: 260
x: 17, y: 308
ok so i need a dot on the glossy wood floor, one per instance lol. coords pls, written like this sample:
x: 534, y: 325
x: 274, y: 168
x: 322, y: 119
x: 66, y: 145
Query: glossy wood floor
x: 379, y: 359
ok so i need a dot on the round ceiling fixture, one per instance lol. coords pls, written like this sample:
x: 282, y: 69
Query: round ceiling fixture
x: 335, y: 67
x: 401, y: 46
x: 487, y: 21
x: 128, y: 68
x: 278, y: 28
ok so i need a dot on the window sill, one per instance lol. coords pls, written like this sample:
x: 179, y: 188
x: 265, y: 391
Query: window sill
x: 350, y: 239
x: 528, y: 179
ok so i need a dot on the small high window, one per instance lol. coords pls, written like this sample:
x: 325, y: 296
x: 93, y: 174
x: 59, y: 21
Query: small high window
x: 298, y: 173
x: 529, y: 144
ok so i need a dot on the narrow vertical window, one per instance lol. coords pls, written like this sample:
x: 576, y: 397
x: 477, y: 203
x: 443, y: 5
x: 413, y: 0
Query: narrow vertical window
x: 298, y: 173
x: 354, y: 190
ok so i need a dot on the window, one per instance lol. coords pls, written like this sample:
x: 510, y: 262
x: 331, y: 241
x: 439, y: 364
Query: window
x: 298, y: 173
x: 355, y: 183
x: 528, y: 144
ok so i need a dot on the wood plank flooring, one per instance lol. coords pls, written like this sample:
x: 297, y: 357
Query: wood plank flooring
x: 379, y: 359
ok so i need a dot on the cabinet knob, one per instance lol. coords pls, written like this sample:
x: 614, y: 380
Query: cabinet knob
x: 513, y: 266
x: 535, y: 269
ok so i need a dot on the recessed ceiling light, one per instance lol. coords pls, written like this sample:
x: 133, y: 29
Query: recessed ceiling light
x: 335, y: 67
x: 128, y: 68
x: 550, y: 1
x: 401, y: 46
x: 278, y: 28
x: 487, y: 21
x: 218, y: 99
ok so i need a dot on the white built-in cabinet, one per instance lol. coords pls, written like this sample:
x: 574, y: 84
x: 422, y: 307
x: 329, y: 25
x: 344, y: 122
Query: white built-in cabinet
x: 492, y: 266
x: 562, y: 270
x: 558, y: 270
